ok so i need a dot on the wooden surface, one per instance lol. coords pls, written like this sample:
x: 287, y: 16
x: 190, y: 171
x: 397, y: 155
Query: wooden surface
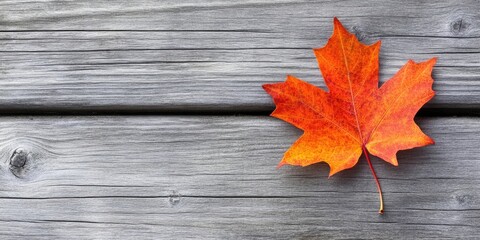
x: 214, y: 55
x: 151, y: 165
x: 215, y: 177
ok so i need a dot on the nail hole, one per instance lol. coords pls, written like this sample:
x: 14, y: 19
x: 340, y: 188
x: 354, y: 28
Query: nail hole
x: 174, y: 198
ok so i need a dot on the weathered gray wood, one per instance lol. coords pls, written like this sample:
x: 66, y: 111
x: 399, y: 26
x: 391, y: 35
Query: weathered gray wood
x: 214, y: 55
x: 153, y: 177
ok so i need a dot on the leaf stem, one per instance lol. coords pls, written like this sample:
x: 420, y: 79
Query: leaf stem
x: 380, y: 210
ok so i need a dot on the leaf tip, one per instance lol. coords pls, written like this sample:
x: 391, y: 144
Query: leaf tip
x: 269, y: 88
x: 337, y: 23
x: 377, y: 45
x: 431, y: 62
x: 332, y: 172
x: 266, y: 87
x: 395, y: 162
x: 430, y: 141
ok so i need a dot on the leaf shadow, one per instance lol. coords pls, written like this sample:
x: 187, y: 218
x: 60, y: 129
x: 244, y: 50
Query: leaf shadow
x: 315, y: 177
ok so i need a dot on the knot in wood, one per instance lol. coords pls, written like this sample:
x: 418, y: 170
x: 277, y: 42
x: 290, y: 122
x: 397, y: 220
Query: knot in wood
x: 21, y: 162
x: 459, y: 26
x: 464, y: 199
x: 18, y: 158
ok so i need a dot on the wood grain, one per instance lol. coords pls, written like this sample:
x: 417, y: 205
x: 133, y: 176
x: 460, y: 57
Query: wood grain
x: 214, y: 177
x: 160, y: 177
x: 214, y: 55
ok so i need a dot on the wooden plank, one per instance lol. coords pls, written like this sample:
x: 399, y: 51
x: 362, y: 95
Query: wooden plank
x: 214, y: 55
x: 154, y: 177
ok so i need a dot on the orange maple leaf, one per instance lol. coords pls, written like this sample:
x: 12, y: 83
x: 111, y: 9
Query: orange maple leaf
x: 355, y: 116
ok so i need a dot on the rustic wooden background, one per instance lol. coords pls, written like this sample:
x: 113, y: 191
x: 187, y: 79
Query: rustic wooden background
x: 146, y: 120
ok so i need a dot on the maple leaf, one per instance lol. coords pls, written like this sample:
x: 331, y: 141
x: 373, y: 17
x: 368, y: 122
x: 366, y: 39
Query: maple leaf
x: 355, y: 116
